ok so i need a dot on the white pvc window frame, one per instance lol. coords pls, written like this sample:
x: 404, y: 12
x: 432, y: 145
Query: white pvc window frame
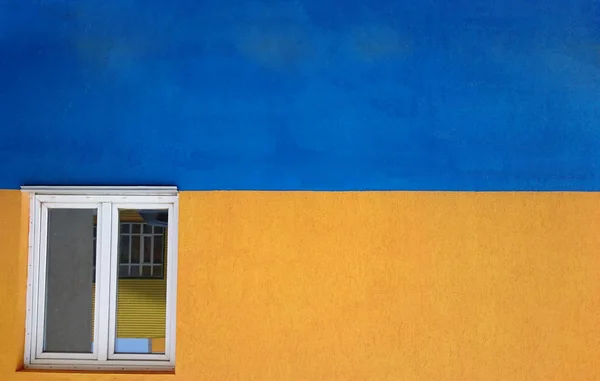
x: 107, y: 201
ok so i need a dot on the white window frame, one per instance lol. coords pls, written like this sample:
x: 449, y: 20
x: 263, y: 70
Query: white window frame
x: 107, y: 201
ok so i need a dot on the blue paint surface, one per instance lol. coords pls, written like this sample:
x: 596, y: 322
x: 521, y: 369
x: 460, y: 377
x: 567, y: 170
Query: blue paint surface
x: 311, y: 94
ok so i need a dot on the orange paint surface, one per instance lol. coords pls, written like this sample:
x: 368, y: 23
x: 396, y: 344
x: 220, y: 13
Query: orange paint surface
x: 365, y: 286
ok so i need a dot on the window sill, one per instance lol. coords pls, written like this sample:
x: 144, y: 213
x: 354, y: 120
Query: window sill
x: 78, y: 369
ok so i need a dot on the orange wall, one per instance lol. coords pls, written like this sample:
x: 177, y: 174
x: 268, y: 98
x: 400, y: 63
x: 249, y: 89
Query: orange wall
x: 366, y: 286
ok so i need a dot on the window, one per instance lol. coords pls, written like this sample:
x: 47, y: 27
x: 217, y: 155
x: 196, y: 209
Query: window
x: 102, y: 278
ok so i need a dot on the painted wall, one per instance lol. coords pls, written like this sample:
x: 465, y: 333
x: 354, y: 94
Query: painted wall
x: 382, y: 94
x: 366, y: 286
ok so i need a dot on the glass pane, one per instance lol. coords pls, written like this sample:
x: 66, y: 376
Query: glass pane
x: 123, y: 249
x: 158, y: 249
x: 123, y: 271
x: 135, y: 249
x: 135, y: 228
x: 134, y: 271
x: 124, y: 228
x: 141, y: 302
x: 147, y: 249
x: 147, y: 229
x: 69, y: 319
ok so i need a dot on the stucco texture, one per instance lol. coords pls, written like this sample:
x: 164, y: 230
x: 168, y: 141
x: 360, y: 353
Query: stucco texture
x: 364, y: 286
x: 301, y: 95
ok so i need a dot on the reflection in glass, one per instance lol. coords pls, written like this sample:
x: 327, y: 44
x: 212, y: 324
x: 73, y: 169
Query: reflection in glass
x: 141, y: 289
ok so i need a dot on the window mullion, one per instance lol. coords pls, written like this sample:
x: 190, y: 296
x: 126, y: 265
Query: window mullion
x: 113, y: 272
x: 171, y: 280
x: 103, y: 285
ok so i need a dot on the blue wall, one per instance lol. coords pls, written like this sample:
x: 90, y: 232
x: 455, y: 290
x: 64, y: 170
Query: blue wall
x: 311, y: 94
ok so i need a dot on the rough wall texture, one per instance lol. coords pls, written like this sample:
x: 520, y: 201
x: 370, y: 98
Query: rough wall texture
x: 366, y: 286
x: 301, y: 95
